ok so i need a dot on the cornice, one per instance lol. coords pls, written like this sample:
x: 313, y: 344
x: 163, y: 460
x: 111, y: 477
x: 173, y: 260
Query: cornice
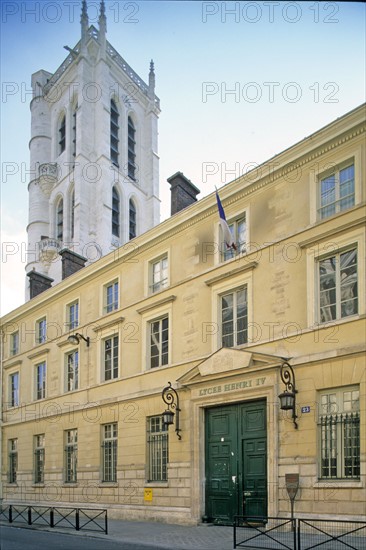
x: 156, y: 304
x: 38, y: 353
x: 107, y: 324
x: 231, y: 273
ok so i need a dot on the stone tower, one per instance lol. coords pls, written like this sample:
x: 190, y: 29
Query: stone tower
x: 94, y: 158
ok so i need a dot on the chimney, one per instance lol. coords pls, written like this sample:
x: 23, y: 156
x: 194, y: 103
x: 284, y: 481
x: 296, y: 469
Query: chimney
x: 183, y: 192
x: 71, y: 262
x: 38, y: 283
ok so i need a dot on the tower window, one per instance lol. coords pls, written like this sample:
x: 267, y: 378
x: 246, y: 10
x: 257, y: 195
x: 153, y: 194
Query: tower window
x: 114, y: 133
x: 60, y: 220
x: 62, y: 135
x: 131, y: 149
x: 115, y: 213
x: 132, y: 214
x: 74, y: 132
x: 72, y: 214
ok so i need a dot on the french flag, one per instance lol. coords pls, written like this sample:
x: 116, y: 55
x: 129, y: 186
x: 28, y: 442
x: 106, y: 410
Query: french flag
x: 228, y: 238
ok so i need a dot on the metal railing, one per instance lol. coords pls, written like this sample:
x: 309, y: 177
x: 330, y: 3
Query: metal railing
x: 273, y: 533
x: 87, y: 519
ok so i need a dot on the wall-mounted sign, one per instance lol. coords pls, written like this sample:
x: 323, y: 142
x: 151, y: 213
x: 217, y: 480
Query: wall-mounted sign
x: 148, y: 494
x: 232, y: 387
x: 305, y: 409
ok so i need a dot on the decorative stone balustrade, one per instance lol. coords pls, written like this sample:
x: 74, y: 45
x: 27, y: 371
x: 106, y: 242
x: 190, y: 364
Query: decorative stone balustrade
x: 48, y: 176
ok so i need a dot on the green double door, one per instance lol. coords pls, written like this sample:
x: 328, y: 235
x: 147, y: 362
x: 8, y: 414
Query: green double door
x: 236, y: 461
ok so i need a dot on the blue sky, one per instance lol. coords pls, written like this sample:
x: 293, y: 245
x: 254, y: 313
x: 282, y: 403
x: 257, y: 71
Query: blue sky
x: 294, y: 67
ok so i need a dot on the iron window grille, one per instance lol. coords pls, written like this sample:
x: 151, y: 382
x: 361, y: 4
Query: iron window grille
x: 339, y: 427
x: 158, y: 449
x: 109, y: 450
x: 39, y: 458
x: 71, y: 449
x: 13, y: 460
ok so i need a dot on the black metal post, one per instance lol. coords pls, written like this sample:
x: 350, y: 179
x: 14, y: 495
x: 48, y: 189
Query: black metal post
x: 52, y: 517
x: 29, y: 515
x: 106, y: 522
x: 11, y: 513
x: 77, y: 520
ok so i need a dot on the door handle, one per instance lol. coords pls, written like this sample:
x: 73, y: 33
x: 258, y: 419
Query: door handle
x: 247, y: 494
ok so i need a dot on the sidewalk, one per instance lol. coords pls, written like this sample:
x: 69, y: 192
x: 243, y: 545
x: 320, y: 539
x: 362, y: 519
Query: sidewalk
x: 172, y: 537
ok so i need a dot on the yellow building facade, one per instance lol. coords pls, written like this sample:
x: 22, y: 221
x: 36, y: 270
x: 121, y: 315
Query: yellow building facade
x: 82, y: 416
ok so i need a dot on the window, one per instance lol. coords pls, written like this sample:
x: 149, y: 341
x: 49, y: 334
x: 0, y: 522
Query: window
x: 39, y: 458
x: 72, y: 371
x: 13, y: 460
x: 114, y: 133
x: 14, y: 389
x: 60, y: 220
x: 62, y: 135
x: 131, y: 149
x: 41, y: 331
x: 14, y: 343
x: 338, y: 291
x: 132, y: 217
x: 159, y: 342
x: 337, y: 191
x: 111, y: 292
x: 157, y: 444
x: 238, y: 229
x: 72, y: 214
x: 71, y: 455
x: 339, y: 434
x: 159, y: 274
x: 109, y: 453
x: 74, y: 132
x: 115, y: 212
x: 234, y: 318
x: 111, y: 358
x: 72, y: 313
x: 41, y: 380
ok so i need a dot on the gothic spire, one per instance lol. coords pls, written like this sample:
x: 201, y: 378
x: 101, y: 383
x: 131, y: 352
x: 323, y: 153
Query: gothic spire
x: 102, y: 18
x: 84, y: 20
x: 151, y: 80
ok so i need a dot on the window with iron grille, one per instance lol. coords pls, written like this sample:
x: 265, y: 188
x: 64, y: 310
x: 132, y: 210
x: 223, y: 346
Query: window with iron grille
x: 111, y: 358
x: 234, y: 318
x: 114, y: 133
x: 72, y: 315
x: 132, y: 214
x: 339, y: 434
x: 109, y: 452
x: 41, y: 380
x: 13, y: 460
x: 62, y: 135
x: 115, y: 212
x: 159, y: 274
x: 338, y: 286
x: 71, y: 455
x: 111, y: 291
x: 14, y: 389
x: 238, y: 229
x: 41, y: 331
x: 72, y: 370
x: 39, y: 456
x: 158, y: 449
x: 159, y: 342
x: 131, y: 149
x: 337, y: 191
x: 14, y: 343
